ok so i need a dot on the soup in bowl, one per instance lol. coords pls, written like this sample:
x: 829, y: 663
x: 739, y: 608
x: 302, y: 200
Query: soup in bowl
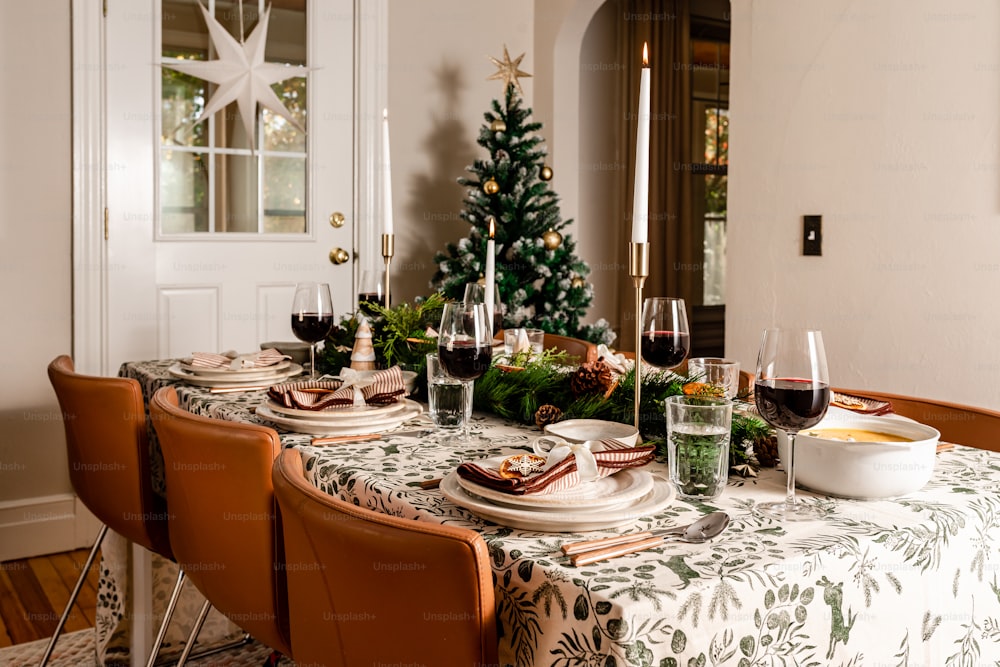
x: 856, y: 456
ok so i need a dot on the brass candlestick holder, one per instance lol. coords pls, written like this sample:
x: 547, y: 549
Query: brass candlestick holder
x: 638, y: 268
x: 388, y: 249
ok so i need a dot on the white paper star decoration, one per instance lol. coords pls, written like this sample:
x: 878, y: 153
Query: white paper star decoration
x: 241, y: 73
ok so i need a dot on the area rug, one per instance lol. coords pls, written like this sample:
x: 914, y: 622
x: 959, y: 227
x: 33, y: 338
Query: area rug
x: 76, y: 649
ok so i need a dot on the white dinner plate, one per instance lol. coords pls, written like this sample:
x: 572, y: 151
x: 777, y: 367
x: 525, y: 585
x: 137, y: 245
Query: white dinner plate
x: 364, y: 412
x: 566, y: 521
x: 242, y: 372
x: 618, y: 489
x: 359, y: 426
x: 234, y: 380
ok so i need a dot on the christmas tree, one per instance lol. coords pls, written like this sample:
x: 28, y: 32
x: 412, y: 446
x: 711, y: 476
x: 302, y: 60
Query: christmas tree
x: 542, y: 283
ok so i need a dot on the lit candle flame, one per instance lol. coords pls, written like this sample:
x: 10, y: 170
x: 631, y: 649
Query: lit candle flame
x: 645, y: 54
x: 492, y: 225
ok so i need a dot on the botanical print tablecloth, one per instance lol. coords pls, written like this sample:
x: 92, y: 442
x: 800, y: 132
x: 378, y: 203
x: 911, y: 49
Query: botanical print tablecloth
x: 910, y: 581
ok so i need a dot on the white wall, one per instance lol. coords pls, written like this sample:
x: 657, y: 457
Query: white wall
x: 882, y: 116
x: 438, y: 64
x: 38, y: 511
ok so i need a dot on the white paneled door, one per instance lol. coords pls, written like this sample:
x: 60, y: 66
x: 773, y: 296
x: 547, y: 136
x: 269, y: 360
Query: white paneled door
x: 210, y: 226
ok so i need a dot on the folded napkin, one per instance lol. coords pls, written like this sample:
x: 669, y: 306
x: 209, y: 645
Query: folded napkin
x: 233, y: 361
x: 860, y: 404
x: 353, y: 388
x: 619, y: 363
x: 566, y: 465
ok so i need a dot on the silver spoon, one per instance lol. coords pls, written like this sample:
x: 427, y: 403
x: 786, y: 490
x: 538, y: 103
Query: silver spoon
x: 706, y: 522
x: 702, y: 530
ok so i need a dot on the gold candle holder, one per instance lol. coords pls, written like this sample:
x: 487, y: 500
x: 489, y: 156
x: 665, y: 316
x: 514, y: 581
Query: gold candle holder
x: 388, y: 249
x: 638, y: 268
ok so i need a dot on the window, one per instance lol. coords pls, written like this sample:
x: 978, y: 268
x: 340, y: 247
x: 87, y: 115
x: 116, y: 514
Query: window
x: 210, y: 179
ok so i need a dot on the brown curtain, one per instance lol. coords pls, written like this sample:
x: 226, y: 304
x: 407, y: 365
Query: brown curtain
x: 675, y: 253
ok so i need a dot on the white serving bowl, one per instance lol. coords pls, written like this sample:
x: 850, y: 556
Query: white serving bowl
x: 582, y: 430
x: 864, y: 470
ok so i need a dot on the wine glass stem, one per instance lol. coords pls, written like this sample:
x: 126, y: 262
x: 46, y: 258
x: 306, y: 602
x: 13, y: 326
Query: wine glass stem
x: 790, y: 470
x: 466, y: 407
x: 312, y: 361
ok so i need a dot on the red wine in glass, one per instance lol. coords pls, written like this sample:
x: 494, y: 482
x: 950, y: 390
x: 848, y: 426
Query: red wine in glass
x: 465, y: 360
x: 666, y: 349
x: 371, y: 297
x: 311, y: 327
x: 791, y: 404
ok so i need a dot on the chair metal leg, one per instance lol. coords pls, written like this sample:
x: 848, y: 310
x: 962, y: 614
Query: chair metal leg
x: 73, y: 595
x: 193, y: 637
x: 166, y: 618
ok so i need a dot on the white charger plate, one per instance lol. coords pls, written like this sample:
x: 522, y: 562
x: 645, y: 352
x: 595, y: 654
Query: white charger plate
x: 244, y: 373
x: 358, y: 426
x: 233, y: 380
x: 618, y: 489
x: 567, y: 521
x: 353, y: 413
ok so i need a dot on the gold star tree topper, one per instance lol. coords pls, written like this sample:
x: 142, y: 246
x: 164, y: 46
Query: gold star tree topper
x: 508, y: 70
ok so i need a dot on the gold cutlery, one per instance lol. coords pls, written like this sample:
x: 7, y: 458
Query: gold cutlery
x: 702, y: 530
x: 228, y: 390
x: 344, y: 439
x: 430, y: 483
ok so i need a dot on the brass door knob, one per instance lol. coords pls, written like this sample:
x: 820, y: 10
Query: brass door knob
x: 339, y: 256
x: 337, y: 219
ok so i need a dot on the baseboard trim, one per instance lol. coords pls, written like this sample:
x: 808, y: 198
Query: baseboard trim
x: 45, y: 525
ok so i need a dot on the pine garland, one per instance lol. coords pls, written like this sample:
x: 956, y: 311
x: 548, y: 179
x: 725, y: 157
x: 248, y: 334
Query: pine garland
x: 517, y: 390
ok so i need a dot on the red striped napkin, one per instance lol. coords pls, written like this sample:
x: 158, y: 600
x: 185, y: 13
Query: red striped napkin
x: 860, y: 404
x: 262, y: 359
x: 563, y: 475
x: 380, y: 388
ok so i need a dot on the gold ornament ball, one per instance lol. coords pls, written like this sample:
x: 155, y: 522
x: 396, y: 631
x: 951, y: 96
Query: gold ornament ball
x: 546, y: 173
x: 491, y: 187
x: 579, y: 282
x: 552, y: 239
x: 498, y: 125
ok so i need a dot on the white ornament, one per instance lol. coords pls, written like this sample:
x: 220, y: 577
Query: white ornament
x: 241, y: 73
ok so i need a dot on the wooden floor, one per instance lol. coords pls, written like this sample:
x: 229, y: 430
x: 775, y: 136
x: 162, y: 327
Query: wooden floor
x: 34, y: 592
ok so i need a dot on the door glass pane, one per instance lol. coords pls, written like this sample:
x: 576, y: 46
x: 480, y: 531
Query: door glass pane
x: 214, y: 177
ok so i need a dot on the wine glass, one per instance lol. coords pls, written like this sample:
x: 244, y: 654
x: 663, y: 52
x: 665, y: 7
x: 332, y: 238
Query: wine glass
x: 665, y: 334
x: 476, y: 293
x: 312, y: 317
x: 465, y: 349
x: 371, y: 288
x: 792, y: 392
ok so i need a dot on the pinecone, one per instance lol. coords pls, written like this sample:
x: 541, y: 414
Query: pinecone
x: 591, y: 378
x: 766, y: 451
x: 547, y: 414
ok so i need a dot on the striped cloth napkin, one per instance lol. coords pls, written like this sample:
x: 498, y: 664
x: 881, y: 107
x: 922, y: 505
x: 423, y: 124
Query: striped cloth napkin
x: 563, y: 475
x: 860, y: 404
x: 262, y: 359
x: 380, y: 388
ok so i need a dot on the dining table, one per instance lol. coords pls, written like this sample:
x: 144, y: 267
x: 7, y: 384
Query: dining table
x: 913, y: 580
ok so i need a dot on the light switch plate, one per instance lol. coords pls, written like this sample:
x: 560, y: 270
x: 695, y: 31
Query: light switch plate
x: 812, y: 235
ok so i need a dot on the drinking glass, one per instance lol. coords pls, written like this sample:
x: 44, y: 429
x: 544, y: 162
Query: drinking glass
x: 476, y: 293
x: 698, y: 433
x: 665, y: 334
x: 465, y: 349
x: 717, y: 372
x: 792, y: 392
x: 449, y: 399
x: 371, y: 288
x: 312, y: 317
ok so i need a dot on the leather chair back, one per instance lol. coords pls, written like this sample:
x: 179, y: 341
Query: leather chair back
x: 584, y: 350
x: 107, y: 447
x: 960, y: 424
x: 368, y: 588
x: 223, y: 516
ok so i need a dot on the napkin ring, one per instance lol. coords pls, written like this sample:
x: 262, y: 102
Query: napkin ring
x: 521, y: 465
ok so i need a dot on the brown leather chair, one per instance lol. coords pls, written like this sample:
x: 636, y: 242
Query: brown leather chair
x: 368, y: 588
x: 960, y: 424
x: 583, y: 351
x: 223, y: 517
x: 107, y: 448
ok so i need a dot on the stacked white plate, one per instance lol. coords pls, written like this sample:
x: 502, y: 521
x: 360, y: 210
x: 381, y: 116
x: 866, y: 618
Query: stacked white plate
x: 341, y: 421
x: 227, y: 377
x: 608, y: 502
